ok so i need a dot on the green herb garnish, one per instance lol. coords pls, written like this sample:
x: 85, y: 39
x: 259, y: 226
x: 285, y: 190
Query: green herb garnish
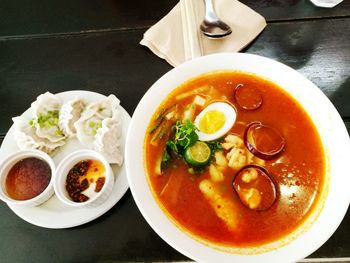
x: 32, y: 122
x: 46, y: 120
x: 95, y: 126
x: 59, y: 132
x: 215, y: 146
x: 185, y: 134
x: 172, y: 146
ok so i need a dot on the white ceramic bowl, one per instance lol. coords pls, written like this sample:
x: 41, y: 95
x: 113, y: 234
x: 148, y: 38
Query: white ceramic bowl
x: 63, y: 169
x: 10, y: 161
x: 326, y: 217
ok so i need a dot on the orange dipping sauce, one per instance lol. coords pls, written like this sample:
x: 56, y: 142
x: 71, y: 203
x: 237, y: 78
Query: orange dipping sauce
x: 28, y: 178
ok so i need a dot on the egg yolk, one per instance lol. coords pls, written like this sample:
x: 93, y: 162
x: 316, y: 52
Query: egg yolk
x: 212, y: 121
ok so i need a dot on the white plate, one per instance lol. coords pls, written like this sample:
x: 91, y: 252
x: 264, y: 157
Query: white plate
x: 53, y: 213
x: 327, y: 120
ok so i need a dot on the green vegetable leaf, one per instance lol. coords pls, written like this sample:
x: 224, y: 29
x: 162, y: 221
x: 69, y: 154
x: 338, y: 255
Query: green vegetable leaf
x: 156, y: 125
x: 165, y: 159
x: 172, y: 145
x: 215, y: 145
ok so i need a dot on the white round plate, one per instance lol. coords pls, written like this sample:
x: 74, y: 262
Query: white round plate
x: 53, y: 213
x: 327, y: 120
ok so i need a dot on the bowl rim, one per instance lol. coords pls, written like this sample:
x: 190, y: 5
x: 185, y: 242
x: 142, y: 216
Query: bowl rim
x: 67, y: 163
x: 10, y: 161
x: 164, y: 227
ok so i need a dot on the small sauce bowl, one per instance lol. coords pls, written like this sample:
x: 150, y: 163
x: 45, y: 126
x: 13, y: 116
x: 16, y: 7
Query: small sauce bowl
x: 83, y: 178
x: 26, y: 178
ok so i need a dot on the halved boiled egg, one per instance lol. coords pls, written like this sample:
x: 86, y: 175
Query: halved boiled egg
x: 215, y: 121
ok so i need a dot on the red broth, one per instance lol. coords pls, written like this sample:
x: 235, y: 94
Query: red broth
x: 299, y: 170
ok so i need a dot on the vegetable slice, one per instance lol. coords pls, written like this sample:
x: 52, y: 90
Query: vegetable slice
x: 248, y: 97
x: 263, y: 141
x: 164, y: 114
x: 255, y: 187
x: 198, y: 154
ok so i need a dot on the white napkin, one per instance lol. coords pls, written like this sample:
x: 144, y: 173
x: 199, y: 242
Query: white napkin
x: 177, y: 37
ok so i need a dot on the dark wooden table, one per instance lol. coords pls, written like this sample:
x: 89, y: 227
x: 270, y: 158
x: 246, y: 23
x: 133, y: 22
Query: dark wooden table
x: 94, y: 45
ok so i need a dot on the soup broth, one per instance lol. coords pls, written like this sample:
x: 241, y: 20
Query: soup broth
x: 204, y: 191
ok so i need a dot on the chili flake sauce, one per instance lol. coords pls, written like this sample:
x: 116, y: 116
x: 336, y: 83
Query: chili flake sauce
x: 85, y: 180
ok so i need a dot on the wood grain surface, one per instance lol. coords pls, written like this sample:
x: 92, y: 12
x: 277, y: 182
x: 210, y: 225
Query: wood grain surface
x: 25, y: 17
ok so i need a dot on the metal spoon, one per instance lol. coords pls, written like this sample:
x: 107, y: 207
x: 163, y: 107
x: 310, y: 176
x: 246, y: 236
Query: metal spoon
x: 212, y: 26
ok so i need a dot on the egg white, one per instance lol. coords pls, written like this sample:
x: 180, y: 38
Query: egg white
x: 230, y: 119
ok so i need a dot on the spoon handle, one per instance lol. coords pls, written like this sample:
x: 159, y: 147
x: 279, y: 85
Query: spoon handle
x: 209, y: 11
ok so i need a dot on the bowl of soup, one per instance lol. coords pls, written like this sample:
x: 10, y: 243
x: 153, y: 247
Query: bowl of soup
x: 238, y: 157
